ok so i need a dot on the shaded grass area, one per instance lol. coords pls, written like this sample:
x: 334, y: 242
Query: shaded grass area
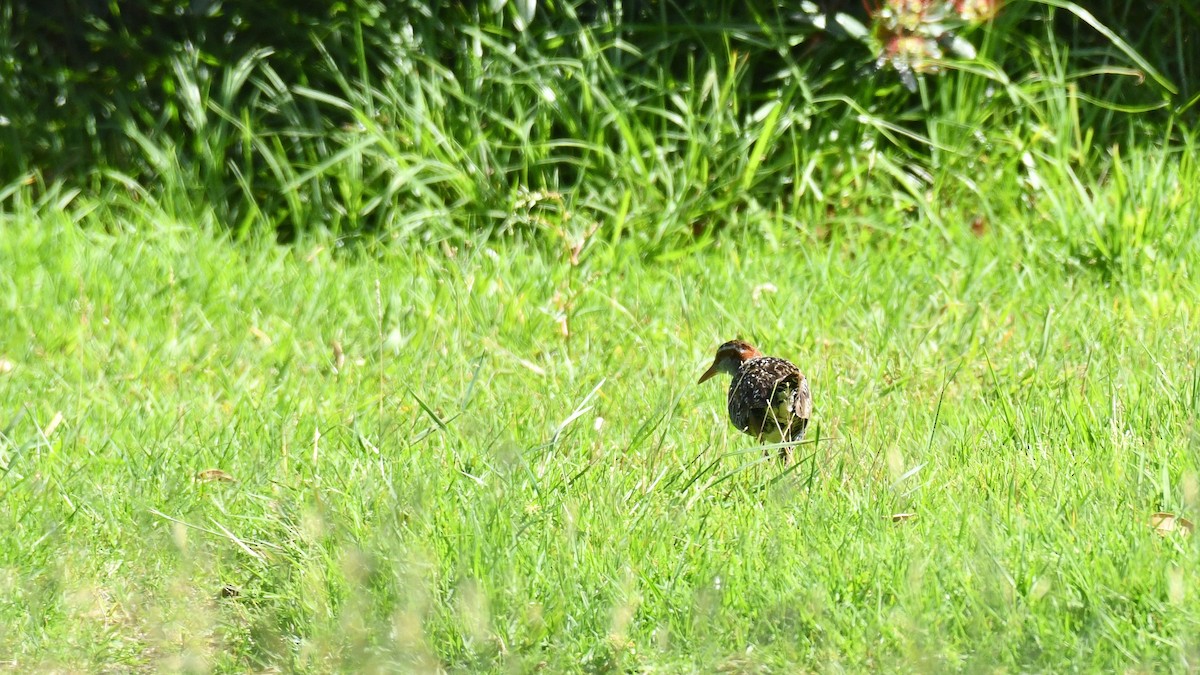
x: 510, y: 465
x: 412, y: 119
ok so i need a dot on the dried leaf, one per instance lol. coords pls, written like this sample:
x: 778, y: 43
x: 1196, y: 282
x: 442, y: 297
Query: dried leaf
x: 214, y: 475
x: 262, y: 336
x: 1168, y: 523
x: 979, y: 226
x: 763, y: 288
x: 54, y: 422
x: 901, y: 517
x: 339, y: 357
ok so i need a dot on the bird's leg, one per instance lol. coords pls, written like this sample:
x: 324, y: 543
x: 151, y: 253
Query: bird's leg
x: 781, y: 410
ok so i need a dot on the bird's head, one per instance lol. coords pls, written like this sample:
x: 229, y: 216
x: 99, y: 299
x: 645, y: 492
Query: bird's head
x: 729, y: 357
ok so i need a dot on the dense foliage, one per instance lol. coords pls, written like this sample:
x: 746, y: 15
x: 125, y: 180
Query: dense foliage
x: 445, y: 118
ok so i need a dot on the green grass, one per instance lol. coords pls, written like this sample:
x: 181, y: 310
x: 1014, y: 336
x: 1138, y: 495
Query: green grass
x: 459, y: 407
x: 513, y: 466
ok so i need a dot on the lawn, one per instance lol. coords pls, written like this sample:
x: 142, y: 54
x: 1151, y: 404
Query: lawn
x: 365, y: 337
x: 492, y: 454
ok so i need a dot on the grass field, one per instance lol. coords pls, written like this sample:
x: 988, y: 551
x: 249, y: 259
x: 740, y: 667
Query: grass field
x: 509, y: 466
x: 391, y: 366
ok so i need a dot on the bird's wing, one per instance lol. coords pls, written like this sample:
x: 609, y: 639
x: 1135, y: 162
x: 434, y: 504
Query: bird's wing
x: 789, y: 393
x: 802, y: 404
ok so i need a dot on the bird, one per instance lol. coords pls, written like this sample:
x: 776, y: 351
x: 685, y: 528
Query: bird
x: 769, y: 397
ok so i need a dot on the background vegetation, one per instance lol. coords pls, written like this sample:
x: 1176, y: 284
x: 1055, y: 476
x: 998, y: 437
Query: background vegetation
x: 363, y: 335
x: 663, y: 120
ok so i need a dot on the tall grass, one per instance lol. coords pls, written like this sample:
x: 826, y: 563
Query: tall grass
x: 666, y: 126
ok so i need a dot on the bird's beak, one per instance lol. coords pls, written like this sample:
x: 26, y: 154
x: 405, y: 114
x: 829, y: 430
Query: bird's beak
x: 708, y: 373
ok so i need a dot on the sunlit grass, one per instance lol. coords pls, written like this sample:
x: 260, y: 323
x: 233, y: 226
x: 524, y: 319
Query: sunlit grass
x: 452, y: 421
x: 510, y: 463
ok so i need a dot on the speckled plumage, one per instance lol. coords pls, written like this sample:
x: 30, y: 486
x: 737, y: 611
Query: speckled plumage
x: 769, y: 397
